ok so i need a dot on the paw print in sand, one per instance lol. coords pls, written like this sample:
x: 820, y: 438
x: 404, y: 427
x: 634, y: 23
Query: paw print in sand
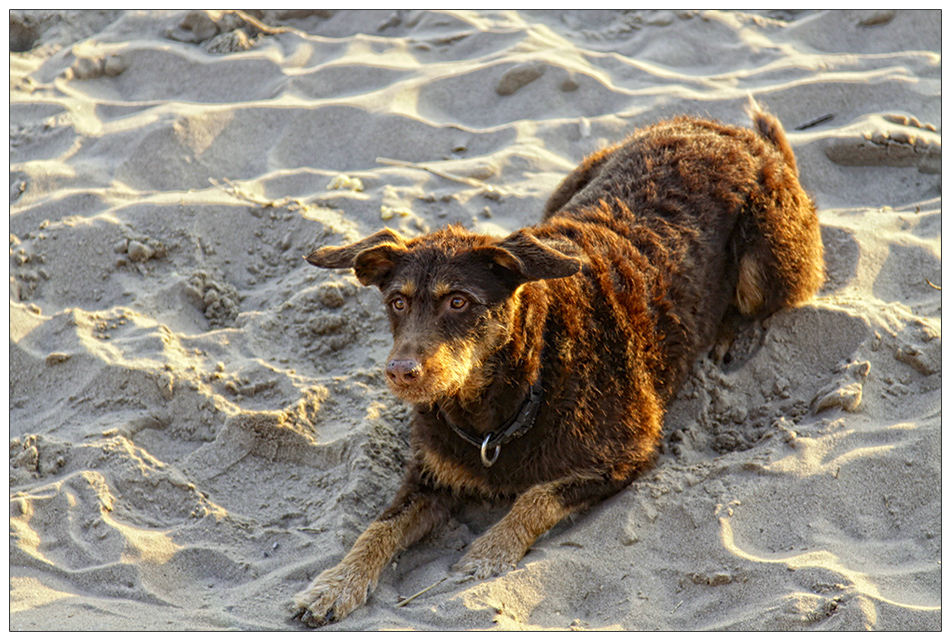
x: 893, y: 140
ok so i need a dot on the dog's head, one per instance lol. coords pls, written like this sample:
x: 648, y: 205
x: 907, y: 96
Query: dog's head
x: 450, y: 299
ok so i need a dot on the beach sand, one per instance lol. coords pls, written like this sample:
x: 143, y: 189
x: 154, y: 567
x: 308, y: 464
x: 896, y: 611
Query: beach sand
x: 198, y: 419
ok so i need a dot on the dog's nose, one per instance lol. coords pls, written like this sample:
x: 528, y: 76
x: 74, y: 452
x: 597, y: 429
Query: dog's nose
x: 404, y: 371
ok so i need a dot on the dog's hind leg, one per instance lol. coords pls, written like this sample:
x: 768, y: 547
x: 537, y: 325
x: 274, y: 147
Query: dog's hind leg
x: 779, y: 254
x: 336, y: 592
x: 534, y: 512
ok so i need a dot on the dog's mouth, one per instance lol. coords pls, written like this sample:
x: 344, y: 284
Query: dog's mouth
x: 420, y: 386
x: 411, y: 393
x: 444, y: 374
x: 406, y: 379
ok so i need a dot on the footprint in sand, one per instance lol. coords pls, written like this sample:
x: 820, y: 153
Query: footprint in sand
x: 223, y: 31
x: 218, y: 300
x: 519, y: 76
x: 24, y: 32
x: 196, y: 27
x: 919, y: 346
x: 90, y: 68
x: 891, y: 140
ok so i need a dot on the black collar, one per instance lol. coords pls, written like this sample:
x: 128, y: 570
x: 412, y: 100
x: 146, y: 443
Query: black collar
x: 516, y: 426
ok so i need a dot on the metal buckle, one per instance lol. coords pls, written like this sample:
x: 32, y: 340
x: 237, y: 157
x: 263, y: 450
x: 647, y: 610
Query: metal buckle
x: 485, y: 459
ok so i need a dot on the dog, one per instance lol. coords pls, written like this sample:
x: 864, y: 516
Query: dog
x: 539, y: 365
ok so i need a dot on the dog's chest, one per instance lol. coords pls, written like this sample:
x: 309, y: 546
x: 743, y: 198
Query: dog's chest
x: 452, y: 473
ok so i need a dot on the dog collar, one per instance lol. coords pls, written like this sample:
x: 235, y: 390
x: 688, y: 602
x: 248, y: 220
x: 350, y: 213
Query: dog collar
x: 521, y: 422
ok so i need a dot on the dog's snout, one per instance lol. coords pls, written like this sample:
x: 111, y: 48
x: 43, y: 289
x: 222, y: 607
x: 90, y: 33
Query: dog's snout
x: 404, y: 371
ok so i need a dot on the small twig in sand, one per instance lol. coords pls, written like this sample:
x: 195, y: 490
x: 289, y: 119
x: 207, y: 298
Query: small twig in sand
x: 817, y: 121
x: 250, y: 198
x: 938, y: 287
x: 237, y: 193
x: 423, y: 591
x: 676, y: 606
x: 257, y: 24
x: 489, y: 190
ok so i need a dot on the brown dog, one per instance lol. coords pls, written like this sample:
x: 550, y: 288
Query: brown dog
x: 540, y: 365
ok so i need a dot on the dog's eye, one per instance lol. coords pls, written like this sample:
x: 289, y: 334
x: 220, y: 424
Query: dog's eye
x: 398, y: 304
x: 458, y: 302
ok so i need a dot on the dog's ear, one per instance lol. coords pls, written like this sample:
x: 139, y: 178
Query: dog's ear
x: 372, y: 258
x: 528, y: 258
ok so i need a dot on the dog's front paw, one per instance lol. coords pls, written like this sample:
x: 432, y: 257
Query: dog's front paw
x: 331, y: 596
x: 487, y: 558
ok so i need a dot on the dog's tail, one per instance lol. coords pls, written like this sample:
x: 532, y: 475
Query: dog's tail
x: 769, y: 127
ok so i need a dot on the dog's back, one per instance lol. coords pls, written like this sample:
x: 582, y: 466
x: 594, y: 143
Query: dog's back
x: 707, y: 220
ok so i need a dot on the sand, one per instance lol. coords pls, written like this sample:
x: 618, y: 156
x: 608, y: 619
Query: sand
x: 198, y: 418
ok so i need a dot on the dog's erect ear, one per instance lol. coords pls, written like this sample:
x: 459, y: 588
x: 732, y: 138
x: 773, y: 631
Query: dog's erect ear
x: 372, y: 258
x: 528, y: 258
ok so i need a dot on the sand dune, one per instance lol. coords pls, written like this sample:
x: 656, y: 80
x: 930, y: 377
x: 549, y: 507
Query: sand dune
x: 198, y: 418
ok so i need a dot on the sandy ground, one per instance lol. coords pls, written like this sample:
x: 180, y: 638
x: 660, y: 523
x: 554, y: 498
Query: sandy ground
x: 198, y: 419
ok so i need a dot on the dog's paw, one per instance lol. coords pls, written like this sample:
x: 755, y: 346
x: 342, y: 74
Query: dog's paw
x: 331, y: 596
x: 482, y: 568
x: 485, y: 560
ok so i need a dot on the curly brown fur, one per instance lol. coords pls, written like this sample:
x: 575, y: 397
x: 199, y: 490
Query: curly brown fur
x: 647, y: 254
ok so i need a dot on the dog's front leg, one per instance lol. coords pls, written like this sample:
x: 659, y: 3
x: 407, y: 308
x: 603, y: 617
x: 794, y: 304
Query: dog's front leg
x: 336, y: 592
x: 534, y: 512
